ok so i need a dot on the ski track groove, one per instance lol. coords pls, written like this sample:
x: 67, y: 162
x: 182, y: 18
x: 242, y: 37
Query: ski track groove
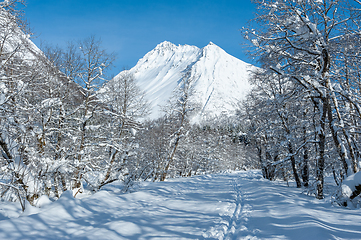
x: 235, y: 218
x: 236, y: 226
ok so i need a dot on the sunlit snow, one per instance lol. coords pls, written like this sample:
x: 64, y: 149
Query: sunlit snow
x: 219, y: 80
x: 240, y: 205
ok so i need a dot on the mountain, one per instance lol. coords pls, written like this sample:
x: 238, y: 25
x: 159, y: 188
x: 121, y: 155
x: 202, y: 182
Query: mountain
x: 219, y: 80
x: 15, y: 43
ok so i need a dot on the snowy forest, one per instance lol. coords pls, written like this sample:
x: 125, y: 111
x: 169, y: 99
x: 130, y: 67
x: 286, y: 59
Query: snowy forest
x: 64, y: 126
x: 304, y: 109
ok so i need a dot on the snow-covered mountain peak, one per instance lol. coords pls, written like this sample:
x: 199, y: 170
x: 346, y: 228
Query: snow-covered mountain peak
x: 166, y: 53
x: 212, y: 50
x: 165, y: 45
x: 220, y: 80
x: 212, y: 45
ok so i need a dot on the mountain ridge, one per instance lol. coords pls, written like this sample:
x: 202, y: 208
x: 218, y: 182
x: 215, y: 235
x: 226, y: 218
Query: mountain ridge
x: 220, y: 80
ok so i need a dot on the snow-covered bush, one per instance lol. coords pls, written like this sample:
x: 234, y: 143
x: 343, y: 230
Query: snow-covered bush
x: 348, y: 194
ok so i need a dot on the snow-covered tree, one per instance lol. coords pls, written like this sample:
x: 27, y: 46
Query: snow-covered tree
x: 84, y: 121
x: 124, y: 96
x: 29, y: 97
x: 125, y: 102
x: 297, y: 42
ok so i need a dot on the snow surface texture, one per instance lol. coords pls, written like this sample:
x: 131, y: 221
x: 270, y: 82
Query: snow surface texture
x: 238, y: 205
x: 350, y: 183
x: 219, y: 80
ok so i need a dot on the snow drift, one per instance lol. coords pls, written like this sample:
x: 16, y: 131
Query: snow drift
x: 239, y: 205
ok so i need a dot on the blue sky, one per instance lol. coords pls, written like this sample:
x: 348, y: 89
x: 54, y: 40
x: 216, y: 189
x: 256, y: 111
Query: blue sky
x: 131, y: 28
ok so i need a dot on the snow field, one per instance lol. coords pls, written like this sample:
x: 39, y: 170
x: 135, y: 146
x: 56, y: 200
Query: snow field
x: 238, y: 205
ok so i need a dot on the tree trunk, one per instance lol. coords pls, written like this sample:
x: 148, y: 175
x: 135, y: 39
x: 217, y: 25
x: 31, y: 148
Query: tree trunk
x: 305, y: 168
x: 336, y: 139
x: 322, y: 146
x: 109, y: 171
x: 293, y: 162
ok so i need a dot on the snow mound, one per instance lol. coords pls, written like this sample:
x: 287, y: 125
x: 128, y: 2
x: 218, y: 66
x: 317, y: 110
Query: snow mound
x: 42, y: 201
x: 350, y: 184
x: 348, y: 195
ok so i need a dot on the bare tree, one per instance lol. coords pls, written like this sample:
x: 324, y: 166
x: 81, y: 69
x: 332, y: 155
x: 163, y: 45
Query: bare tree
x: 124, y: 96
x: 180, y: 109
x: 94, y: 63
x: 127, y: 102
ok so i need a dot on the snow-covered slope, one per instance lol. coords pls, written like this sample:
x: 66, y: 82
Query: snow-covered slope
x: 14, y: 40
x: 238, y: 205
x: 219, y: 79
x: 18, y: 50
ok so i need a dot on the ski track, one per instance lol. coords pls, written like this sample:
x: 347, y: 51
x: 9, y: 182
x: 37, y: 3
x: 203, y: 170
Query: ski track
x: 229, y: 206
x: 236, y: 219
x: 233, y: 226
x: 237, y: 226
